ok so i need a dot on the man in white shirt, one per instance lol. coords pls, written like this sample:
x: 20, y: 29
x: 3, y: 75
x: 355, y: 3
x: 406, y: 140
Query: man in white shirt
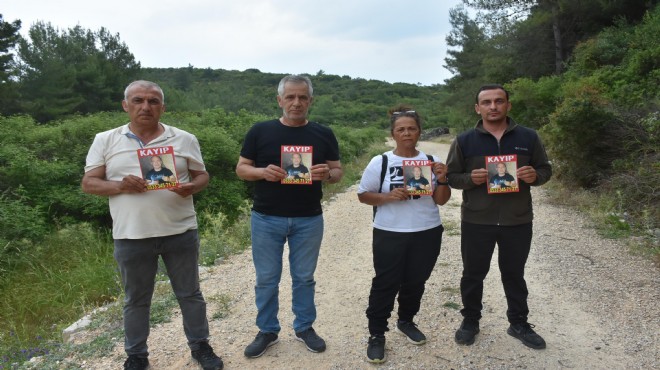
x: 152, y: 224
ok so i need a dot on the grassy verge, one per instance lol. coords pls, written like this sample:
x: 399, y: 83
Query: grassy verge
x: 604, y: 210
x: 69, y: 273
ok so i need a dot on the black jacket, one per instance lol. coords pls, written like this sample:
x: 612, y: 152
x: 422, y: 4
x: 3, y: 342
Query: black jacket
x: 468, y: 152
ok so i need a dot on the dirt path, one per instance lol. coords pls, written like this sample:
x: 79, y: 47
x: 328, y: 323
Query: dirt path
x: 595, y: 304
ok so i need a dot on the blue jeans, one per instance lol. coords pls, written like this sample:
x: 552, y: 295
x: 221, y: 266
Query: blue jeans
x: 138, y: 264
x: 269, y: 233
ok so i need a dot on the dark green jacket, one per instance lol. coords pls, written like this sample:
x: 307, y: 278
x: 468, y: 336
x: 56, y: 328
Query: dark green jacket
x: 468, y: 152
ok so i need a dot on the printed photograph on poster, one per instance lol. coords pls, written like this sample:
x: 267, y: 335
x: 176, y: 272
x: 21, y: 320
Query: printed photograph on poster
x: 417, y: 175
x: 502, y: 176
x: 158, y: 167
x: 296, y: 160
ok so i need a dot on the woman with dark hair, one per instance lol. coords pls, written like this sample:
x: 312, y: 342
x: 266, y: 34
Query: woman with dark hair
x: 407, y: 232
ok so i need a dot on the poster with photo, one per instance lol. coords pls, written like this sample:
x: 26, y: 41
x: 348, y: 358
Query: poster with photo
x: 158, y: 167
x: 296, y: 160
x: 418, y: 176
x: 502, y: 176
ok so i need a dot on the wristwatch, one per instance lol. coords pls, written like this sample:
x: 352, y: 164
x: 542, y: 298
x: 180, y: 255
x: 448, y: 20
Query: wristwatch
x: 442, y: 182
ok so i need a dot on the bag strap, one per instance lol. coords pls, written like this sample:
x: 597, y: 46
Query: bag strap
x: 383, y: 170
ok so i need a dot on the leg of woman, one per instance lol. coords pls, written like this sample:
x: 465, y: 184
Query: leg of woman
x: 388, y: 252
x: 422, y: 251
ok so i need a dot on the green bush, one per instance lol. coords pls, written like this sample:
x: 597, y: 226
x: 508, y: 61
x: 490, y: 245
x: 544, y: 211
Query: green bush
x: 603, y: 132
x: 533, y: 102
x: 579, y: 135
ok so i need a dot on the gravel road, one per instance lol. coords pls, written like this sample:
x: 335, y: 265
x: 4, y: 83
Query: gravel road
x: 595, y: 304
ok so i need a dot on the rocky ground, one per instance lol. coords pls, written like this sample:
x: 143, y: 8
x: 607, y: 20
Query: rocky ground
x: 595, y: 304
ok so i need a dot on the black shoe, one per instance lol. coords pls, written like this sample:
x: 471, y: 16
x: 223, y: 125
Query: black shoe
x: 409, y: 329
x: 207, y: 358
x: 260, y: 344
x: 527, y: 335
x: 133, y: 362
x: 376, y: 349
x: 313, y: 342
x: 467, y: 331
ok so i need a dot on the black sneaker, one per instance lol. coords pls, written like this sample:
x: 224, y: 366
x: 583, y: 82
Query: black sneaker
x: 133, y: 362
x: 376, y: 349
x: 409, y: 329
x: 207, y: 358
x: 467, y: 331
x: 527, y: 335
x: 313, y: 342
x: 260, y: 344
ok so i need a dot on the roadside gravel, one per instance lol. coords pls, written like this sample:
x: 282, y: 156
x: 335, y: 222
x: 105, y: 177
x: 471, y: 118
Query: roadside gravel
x: 595, y: 304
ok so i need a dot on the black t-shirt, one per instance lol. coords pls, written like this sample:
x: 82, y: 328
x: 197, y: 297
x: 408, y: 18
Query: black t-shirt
x: 157, y: 176
x: 296, y: 172
x: 500, y: 181
x: 418, y: 183
x: 263, y: 144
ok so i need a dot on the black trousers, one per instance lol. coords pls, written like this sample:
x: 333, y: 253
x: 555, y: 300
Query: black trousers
x: 477, y: 246
x: 403, y: 262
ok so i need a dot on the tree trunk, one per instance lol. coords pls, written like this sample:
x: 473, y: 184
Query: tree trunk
x: 559, y: 47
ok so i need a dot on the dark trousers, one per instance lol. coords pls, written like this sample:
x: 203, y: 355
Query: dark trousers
x: 138, y: 264
x: 403, y: 262
x: 477, y: 245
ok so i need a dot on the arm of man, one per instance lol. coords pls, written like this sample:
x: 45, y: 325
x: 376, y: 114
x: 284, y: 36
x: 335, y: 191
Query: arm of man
x: 94, y: 182
x: 199, y: 181
x: 457, y: 176
x: 246, y: 170
x: 330, y: 171
x: 540, y: 170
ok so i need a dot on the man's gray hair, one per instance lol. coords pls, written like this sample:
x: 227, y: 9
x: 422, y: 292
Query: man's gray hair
x: 147, y: 84
x: 297, y: 79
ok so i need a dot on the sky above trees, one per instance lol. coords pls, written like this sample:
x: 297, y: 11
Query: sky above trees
x: 387, y: 40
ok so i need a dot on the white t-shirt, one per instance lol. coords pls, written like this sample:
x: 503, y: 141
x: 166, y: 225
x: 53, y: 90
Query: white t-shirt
x: 155, y: 212
x: 416, y: 214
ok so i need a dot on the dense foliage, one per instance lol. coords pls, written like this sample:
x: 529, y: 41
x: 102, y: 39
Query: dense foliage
x: 61, y: 72
x: 338, y: 100
x: 585, y: 74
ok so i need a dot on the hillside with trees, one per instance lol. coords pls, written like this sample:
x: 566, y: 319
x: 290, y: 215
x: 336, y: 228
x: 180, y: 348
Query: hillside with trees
x: 585, y: 74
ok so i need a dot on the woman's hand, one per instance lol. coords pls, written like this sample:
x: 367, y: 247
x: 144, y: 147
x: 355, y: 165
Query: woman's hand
x: 397, y: 194
x: 440, y: 171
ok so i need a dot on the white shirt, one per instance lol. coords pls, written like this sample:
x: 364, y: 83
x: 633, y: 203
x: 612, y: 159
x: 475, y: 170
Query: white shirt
x: 402, y: 216
x: 155, y: 212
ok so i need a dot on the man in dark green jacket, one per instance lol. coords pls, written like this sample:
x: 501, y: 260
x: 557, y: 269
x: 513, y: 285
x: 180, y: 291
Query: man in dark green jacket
x: 503, y: 218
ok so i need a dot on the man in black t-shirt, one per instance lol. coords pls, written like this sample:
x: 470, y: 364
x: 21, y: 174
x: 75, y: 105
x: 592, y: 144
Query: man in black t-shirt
x: 284, y: 212
x: 297, y: 170
x: 159, y: 174
x: 417, y: 181
x: 502, y: 179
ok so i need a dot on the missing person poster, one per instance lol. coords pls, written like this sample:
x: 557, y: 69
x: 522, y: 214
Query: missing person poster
x: 296, y: 161
x: 158, y: 167
x: 502, y: 176
x: 417, y: 176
